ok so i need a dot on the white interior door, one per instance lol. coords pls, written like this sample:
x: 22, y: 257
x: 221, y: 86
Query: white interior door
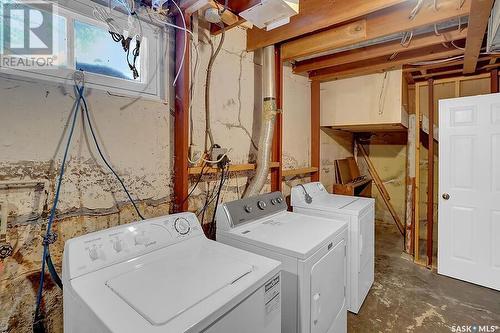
x: 469, y: 188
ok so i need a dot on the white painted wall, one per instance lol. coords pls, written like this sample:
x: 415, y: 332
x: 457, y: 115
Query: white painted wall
x: 369, y: 99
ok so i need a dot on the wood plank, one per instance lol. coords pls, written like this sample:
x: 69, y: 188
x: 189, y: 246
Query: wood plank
x: 478, y: 21
x: 300, y: 171
x: 315, y: 15
x: 315, y: 129
x: 416, y: 187
x: 430, y: 175
x: 383, y: 191
x: 494, y: 81
x: 181, y: 122
x: 232, y: 168
x: 344, y: 35
x: 277, y: 148
x: 386, y: 49
x: 387, y: 22
x: 381, y: 64
x: 452, y: 71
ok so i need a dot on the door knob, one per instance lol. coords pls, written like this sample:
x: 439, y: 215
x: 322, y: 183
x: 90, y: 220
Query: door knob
x: 446, y: 196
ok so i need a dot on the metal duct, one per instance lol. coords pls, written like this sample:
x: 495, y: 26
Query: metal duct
x: 269, y: 111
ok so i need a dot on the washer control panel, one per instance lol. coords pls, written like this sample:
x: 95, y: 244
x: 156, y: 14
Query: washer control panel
x: 93, y: 251
x: 253, y: 208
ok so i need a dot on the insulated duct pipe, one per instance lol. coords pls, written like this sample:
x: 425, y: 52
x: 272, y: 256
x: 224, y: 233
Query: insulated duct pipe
x: 269, y: 110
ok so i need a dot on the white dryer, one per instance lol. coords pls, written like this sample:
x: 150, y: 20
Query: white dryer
x: 313, y: 199
x: 313, y: 255
x: 164, y: 275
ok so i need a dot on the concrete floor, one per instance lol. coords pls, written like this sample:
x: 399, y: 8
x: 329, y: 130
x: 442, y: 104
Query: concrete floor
x: 408, y: 298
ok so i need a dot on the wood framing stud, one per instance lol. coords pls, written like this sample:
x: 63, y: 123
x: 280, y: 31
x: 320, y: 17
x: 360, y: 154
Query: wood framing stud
x: 494, y: 81
x: 315, y: 130
x: 478, y: 21
x: 430, y: 174
x: 181, y: 122
x: 277, y: 148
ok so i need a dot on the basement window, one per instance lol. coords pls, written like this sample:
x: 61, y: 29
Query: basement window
x: 82, y: 42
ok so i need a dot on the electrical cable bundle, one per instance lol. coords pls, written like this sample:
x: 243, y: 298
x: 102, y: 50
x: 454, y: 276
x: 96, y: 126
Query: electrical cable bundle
x: 51, y: 237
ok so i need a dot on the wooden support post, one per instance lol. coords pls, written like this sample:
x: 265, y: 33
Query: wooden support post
x: 494, y: 81
x: 277, y: 148
x: 416, y: 188
x: 315, y: 130
x: 381, y: 188
x: 430, y: 175
x: 181, y: 121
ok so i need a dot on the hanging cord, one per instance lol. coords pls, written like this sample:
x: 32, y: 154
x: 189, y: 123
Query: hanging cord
x: 50, y: 237
x: 212, y: 224
x: 208, y: 129
x: 96, y: 142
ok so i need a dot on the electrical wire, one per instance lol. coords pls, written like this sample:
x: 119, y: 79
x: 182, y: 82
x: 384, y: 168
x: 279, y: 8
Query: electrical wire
x: 416, y: 9
x: 196, y: 184
x: 96, y: 142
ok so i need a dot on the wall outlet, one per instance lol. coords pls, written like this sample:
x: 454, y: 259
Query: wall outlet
x: 217, y: 153
x: 194, y: 153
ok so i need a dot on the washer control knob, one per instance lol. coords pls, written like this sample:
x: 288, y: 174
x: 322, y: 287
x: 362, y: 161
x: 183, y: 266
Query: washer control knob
x: 141, y: 239
x: 182, y: 226
x: 94, y: 252
x: 248, y: 208
x: 117, y: 245
x: 274, y: 201
x: 279, y: 199
x: 261, y: 204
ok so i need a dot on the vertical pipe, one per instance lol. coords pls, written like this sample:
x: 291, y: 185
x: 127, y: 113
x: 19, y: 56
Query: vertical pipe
x: 277, y: 150
x: 181, y: 121
x: 430, y: 176
x: 315, y: 129
x: 269, y: 111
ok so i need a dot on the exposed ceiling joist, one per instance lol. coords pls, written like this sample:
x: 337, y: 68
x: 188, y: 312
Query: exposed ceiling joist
x: 316, y: 15
x: 381, y: 64
x: 387, y: 22
x: 478, y: 21
x: 385, y: 49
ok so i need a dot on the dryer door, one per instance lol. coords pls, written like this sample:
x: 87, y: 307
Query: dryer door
x: 328, y: 281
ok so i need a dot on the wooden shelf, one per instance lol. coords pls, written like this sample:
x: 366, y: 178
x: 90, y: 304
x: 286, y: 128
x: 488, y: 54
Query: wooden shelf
x: 232, y: 168
x: 300, y: 171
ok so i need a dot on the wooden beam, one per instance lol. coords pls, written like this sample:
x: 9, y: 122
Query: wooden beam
x: 181, y: 121
x: 416, y: 187
x: 386, y: 49
x: 430, y: 175
x: 232, y: 168
x: 277, y: 148
x: 453, y: 71
x: 315, y: 15
x: 387, y: 22
x: 315, y: 129
x: 494, y: 81
x: 478, y: 21
x: 383, y: 191
x: 344, y: 35
x: 382, y: 64
x: 300, y: 171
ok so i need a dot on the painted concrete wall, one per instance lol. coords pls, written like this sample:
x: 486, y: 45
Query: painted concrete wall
x: 33, y: 117
x: 137, y: 138
x: 369, y: 99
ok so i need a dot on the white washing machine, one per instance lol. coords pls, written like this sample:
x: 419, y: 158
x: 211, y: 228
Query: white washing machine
x: 312, y: 251
x: 313, y: 199
x: 164, y: 275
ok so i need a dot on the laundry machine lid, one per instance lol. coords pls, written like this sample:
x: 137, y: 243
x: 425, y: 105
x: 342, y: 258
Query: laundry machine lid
x: 292, y: 234
x: 161, y: 292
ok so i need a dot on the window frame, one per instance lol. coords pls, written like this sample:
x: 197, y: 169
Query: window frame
x: 153, y: 48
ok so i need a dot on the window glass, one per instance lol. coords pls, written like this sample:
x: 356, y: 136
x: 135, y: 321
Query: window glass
x: 97, y: 52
